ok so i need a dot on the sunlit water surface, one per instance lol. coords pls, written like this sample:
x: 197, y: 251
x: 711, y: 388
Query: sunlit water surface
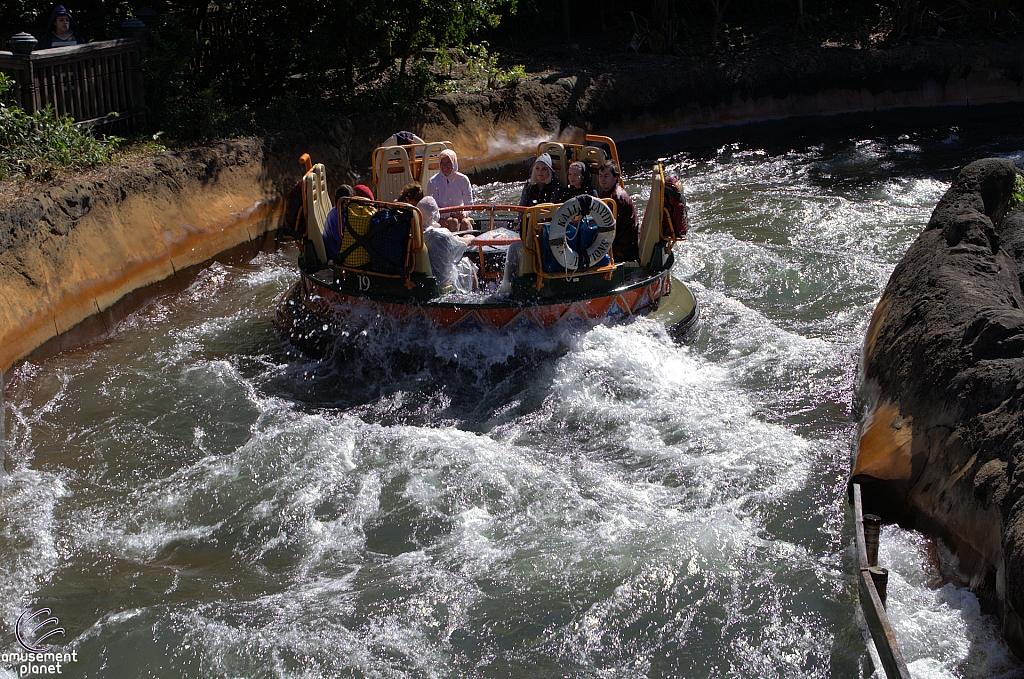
x: 194, y: 499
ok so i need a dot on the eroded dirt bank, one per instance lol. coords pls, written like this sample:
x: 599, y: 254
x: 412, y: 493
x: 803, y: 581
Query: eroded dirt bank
x: 75, y: 258
x: 943, y: 378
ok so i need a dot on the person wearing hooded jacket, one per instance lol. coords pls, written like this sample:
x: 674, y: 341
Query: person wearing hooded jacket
x: 61, y: 31
x: 446, y: 251
x: 451, y: 188
x: 541, y: 187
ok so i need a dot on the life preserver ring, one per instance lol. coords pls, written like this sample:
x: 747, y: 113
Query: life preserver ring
x: 581, y: 207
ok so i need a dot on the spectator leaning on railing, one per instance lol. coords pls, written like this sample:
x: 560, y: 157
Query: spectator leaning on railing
x: 60, y: 32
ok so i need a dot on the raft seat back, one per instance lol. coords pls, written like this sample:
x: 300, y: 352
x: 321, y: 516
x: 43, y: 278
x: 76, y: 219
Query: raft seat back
x: 318, y: 204
x: 431, y: 162
x: 420, y: 257
x: 650, y: 230
x: 394, y: 172
x: 535, y: 220
x: 558, y: 158
x: 593, y: 156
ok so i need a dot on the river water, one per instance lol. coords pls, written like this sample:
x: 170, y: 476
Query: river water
x: 191, y: 498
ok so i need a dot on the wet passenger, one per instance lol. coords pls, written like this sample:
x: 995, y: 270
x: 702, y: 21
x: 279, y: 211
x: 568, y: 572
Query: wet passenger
x: 542, y: 187
x: 626, y: 246
x: 579, y: 183
x: 451, y: 188
x: 446, y: 250
x: 332, y: 226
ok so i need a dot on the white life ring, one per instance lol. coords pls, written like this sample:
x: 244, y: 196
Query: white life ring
x: 567, y: 212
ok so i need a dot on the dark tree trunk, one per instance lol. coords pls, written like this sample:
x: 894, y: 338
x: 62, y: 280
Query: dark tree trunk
x: 718, y: 7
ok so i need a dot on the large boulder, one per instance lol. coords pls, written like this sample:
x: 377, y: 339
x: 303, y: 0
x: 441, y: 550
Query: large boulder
x: 943, y: 387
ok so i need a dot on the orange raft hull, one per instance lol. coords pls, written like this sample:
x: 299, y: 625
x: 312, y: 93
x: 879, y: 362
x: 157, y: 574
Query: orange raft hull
x: 638, y: 299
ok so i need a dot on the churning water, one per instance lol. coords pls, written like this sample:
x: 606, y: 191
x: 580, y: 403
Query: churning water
x: 193, y: 499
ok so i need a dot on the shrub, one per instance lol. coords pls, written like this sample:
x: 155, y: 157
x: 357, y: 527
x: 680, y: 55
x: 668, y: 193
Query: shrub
x: 42, y: 142
x: 1017, y: 197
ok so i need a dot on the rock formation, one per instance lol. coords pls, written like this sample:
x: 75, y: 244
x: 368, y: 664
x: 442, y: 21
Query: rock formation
x: 942, y: 445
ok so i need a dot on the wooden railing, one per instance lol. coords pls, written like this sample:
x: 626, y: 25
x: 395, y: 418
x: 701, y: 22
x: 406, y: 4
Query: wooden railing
x: 97, y: 84
x: 872, y: 602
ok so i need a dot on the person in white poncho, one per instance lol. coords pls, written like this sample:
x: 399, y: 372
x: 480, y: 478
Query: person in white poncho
x: 446, y: 250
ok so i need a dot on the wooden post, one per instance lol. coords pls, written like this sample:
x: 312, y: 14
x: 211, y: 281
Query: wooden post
x: 872, y: 530
x: 880, y: 576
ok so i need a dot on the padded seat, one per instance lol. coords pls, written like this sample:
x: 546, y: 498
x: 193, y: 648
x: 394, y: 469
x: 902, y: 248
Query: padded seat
x: 593, y: 157
x: 318, y: 204
x: 431, y: 162
x: 650, y: 230
x: 393, y: 172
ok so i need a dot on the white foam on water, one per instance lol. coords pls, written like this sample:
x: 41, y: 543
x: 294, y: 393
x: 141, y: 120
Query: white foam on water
x: 940, y: 628
x: 30, y: 534
x: 633, y: 524
x: 605, y: 384
x: 30, y: 530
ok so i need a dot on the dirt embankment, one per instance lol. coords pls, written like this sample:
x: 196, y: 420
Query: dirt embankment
x: 75, y: 258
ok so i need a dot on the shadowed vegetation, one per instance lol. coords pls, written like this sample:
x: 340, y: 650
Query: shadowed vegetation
x: 252, y: 66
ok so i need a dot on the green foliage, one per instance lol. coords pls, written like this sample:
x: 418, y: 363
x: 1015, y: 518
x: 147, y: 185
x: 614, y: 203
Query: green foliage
x: 182, y: 103
x: 1017, y: 197
x: 6, y: 88
x: 483, y: 72
x: 42, y: 143
x: 509, y: 77
x: 214, y: 69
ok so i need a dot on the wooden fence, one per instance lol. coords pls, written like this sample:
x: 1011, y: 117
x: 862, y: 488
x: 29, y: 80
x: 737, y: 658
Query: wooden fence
x: 98, y: 84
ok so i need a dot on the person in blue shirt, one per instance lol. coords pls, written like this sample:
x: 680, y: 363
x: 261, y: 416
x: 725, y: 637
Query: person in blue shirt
x: 333, y: 227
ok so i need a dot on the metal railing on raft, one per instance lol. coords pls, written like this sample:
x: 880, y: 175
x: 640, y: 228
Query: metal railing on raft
x: 531, y: 244
x: 489, y: 208
x: 98, y: 84
x: 872, y: 582
x: 481, y: 243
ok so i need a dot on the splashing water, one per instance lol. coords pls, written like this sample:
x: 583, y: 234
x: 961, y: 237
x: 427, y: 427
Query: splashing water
x: 193, y: 498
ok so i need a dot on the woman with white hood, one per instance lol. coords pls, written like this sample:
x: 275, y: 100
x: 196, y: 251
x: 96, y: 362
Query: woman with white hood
x: 541, y: 187
x: 451, y: 188
x: 446, y: 251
